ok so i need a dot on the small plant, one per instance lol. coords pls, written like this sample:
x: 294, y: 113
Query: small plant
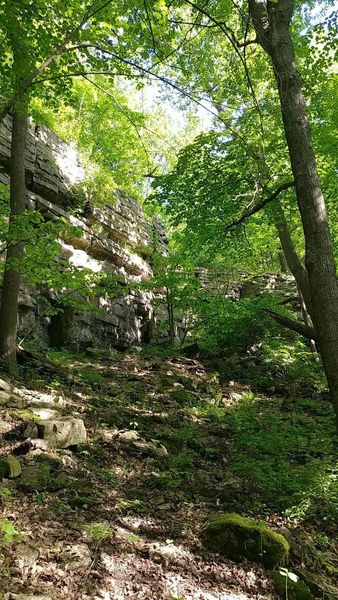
x: 6, y: 492
x: 288, y: 576
x: 8, y: 533
x: 133, y: 539
x: 97, y: 532
x: 109, y: 475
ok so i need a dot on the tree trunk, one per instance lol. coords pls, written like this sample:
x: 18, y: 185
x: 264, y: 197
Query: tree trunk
x: 293, y: 261
x: 12, y: 277
x: 283, y: 262
x: 272, y: 23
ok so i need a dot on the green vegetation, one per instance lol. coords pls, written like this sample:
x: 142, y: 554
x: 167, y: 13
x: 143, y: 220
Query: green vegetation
x: 169, y: 299
x: 239, y: 537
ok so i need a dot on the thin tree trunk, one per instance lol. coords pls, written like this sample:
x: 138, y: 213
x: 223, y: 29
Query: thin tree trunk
x: 293, y: 261
x: 283, y: 262
x: 272, y: 22
x: 12, y: 276
x: 306, y: 318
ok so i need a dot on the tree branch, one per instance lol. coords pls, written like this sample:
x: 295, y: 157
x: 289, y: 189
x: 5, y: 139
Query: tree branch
x: 260, y: 205
x: 260, y: 21
x: 304, y: 330
x: 59, y: 50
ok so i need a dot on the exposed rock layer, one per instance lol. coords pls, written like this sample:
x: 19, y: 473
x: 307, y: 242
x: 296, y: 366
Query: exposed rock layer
x: 116, y: 239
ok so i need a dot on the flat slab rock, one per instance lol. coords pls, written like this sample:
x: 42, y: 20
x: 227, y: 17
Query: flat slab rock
x: 63, y: 432
x: 27, y: 597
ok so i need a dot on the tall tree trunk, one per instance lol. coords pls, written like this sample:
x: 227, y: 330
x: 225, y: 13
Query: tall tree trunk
x: 12, y: 277
x: 272, y: 23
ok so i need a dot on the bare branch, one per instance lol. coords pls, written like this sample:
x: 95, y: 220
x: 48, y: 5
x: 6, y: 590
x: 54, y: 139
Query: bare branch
x: 260, y: 205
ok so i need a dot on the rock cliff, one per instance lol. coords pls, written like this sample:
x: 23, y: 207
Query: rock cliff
x: 116, y: 239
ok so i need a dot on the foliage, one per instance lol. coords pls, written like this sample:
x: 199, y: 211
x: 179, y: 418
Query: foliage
x: 97, y: 532
x: 8, y: 532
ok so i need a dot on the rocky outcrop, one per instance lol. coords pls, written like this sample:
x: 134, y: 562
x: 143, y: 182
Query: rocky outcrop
x: 116, y: 239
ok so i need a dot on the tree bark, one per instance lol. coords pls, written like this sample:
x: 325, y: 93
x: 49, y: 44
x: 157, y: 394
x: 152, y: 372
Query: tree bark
x: 293, y: 261
x: 12, y: 276
x: 272, y: 23
x: 283, y: 262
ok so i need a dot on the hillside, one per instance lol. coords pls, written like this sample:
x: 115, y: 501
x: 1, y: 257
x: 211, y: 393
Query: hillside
x: 120, y: 515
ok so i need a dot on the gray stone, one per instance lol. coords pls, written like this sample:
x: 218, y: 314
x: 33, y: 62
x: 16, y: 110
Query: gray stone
x: 152, y: 448
x: 77, y: 556
x: 123, y: 247
x: 63, y: 432
x: 26, y: 557
x: 5, y: 386
x: 28, y: 597
x: 30, y: 430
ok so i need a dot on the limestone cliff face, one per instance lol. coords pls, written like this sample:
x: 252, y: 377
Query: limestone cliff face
x: 116, y: 239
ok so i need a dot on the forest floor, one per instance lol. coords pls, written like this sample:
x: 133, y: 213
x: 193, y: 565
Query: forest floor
x: 169, y: 443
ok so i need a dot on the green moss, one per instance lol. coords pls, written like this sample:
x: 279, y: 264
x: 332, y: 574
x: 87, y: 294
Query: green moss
x: 241, y: 538
x: 183, y: 396
x: 4, y: 468
x: 52, y: 460
x: 35, y: 478
x: 289, y: 589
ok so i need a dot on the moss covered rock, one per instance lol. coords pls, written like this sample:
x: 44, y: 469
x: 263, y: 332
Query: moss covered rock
x: 290, y: 588
x: 35, y: 478
x: 4, y: 468
x: 241, y: 538
x: 14, y: 466
x: 183, y: 396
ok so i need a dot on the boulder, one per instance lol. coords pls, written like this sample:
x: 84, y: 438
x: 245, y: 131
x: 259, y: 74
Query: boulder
x: 240, y: 538
x: 28, y: 597
x: 77, y: 556
x: 319, y: 585
x: 183, y: 396
x: 29, y: 430
x: 153, y: 448
x: 35, y: 478
x: 26, y: 557
x: 5, y: 386
x: 63, y: 432
x: 14, y: 466
x: 60, y: 482
x: 191, y: 350
x: 132, y: 438
x: 290, y: 586
x: 4, y: 469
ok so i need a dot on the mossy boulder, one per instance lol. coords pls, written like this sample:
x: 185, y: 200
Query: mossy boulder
x: 58, y: 482
x: 35, y: 477
x: 183, y: 396
x: 241, y: 538
x: 14, y: 466
x: 52, y: 460
x: 290, y: 588
x: 4, y: 468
